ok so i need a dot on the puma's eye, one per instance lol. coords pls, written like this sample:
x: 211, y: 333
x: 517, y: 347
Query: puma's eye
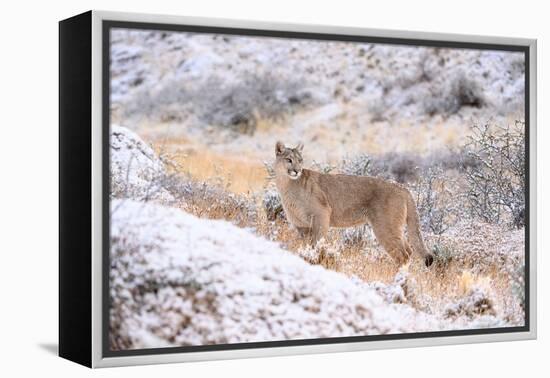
x: 289, y: 161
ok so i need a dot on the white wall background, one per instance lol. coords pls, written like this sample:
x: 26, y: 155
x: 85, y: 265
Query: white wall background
x: 28, y: 184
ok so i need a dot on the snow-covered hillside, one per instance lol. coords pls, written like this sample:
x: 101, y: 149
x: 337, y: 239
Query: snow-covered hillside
x: 389, y: 81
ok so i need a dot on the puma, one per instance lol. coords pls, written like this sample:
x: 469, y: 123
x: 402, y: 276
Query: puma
x: 313, y: 202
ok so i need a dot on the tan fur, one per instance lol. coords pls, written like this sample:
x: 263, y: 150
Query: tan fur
x: 314, y: 201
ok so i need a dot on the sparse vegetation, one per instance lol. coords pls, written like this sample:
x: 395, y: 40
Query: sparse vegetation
x: 496, y: 182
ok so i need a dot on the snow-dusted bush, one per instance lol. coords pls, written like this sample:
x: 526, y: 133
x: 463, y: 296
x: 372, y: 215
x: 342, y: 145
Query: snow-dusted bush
x: 356, y: 236
x: 136, y: 171
x: 476, y: 302
x: 443, y: 254
x: 479, y: 246
x: 325, y: 253
x: 273, y: 206
x: 213, y: 201
x: 391, y: 293
x: 496, y: 184
x: 179, y: 280
x: 436, y: 200
x: 323, y: 167
x: 309, y: 253
x: 403, y: 289
x: 402, y: 167
x: 453, y: 94
x: 359, y: 165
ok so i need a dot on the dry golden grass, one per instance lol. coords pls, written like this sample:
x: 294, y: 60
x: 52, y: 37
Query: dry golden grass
x: 238, y: 174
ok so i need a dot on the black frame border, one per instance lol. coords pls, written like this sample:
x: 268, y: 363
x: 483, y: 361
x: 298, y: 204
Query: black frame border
x: 75, y: 189
x: 106, y: 27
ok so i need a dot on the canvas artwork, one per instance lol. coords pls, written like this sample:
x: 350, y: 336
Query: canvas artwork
x: 267, y: 189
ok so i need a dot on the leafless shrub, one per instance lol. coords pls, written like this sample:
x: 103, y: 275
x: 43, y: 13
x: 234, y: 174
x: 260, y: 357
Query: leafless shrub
x: 497, y: 182
x: 453, y: 94
x: 435, y: 200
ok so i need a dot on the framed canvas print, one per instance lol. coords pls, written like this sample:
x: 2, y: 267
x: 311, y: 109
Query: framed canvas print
x: 236, y: 189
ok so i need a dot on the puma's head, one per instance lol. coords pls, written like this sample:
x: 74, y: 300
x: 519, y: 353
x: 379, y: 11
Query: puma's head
x: 288, y: 160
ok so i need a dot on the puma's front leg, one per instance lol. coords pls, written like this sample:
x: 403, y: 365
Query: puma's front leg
x: 320, y: 223
x: 305, y: 234
x: 304, y: 231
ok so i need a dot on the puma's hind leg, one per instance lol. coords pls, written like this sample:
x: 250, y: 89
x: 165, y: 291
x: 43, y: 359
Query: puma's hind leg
x: 391, y: 237
x: 394, y: 246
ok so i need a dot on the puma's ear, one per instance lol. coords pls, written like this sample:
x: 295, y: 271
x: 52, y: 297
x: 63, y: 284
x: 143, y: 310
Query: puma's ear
x: 279, y: 148
x: 300, y: 147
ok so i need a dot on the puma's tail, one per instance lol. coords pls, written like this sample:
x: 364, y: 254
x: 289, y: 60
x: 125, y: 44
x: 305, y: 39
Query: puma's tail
x: 414, y: 234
